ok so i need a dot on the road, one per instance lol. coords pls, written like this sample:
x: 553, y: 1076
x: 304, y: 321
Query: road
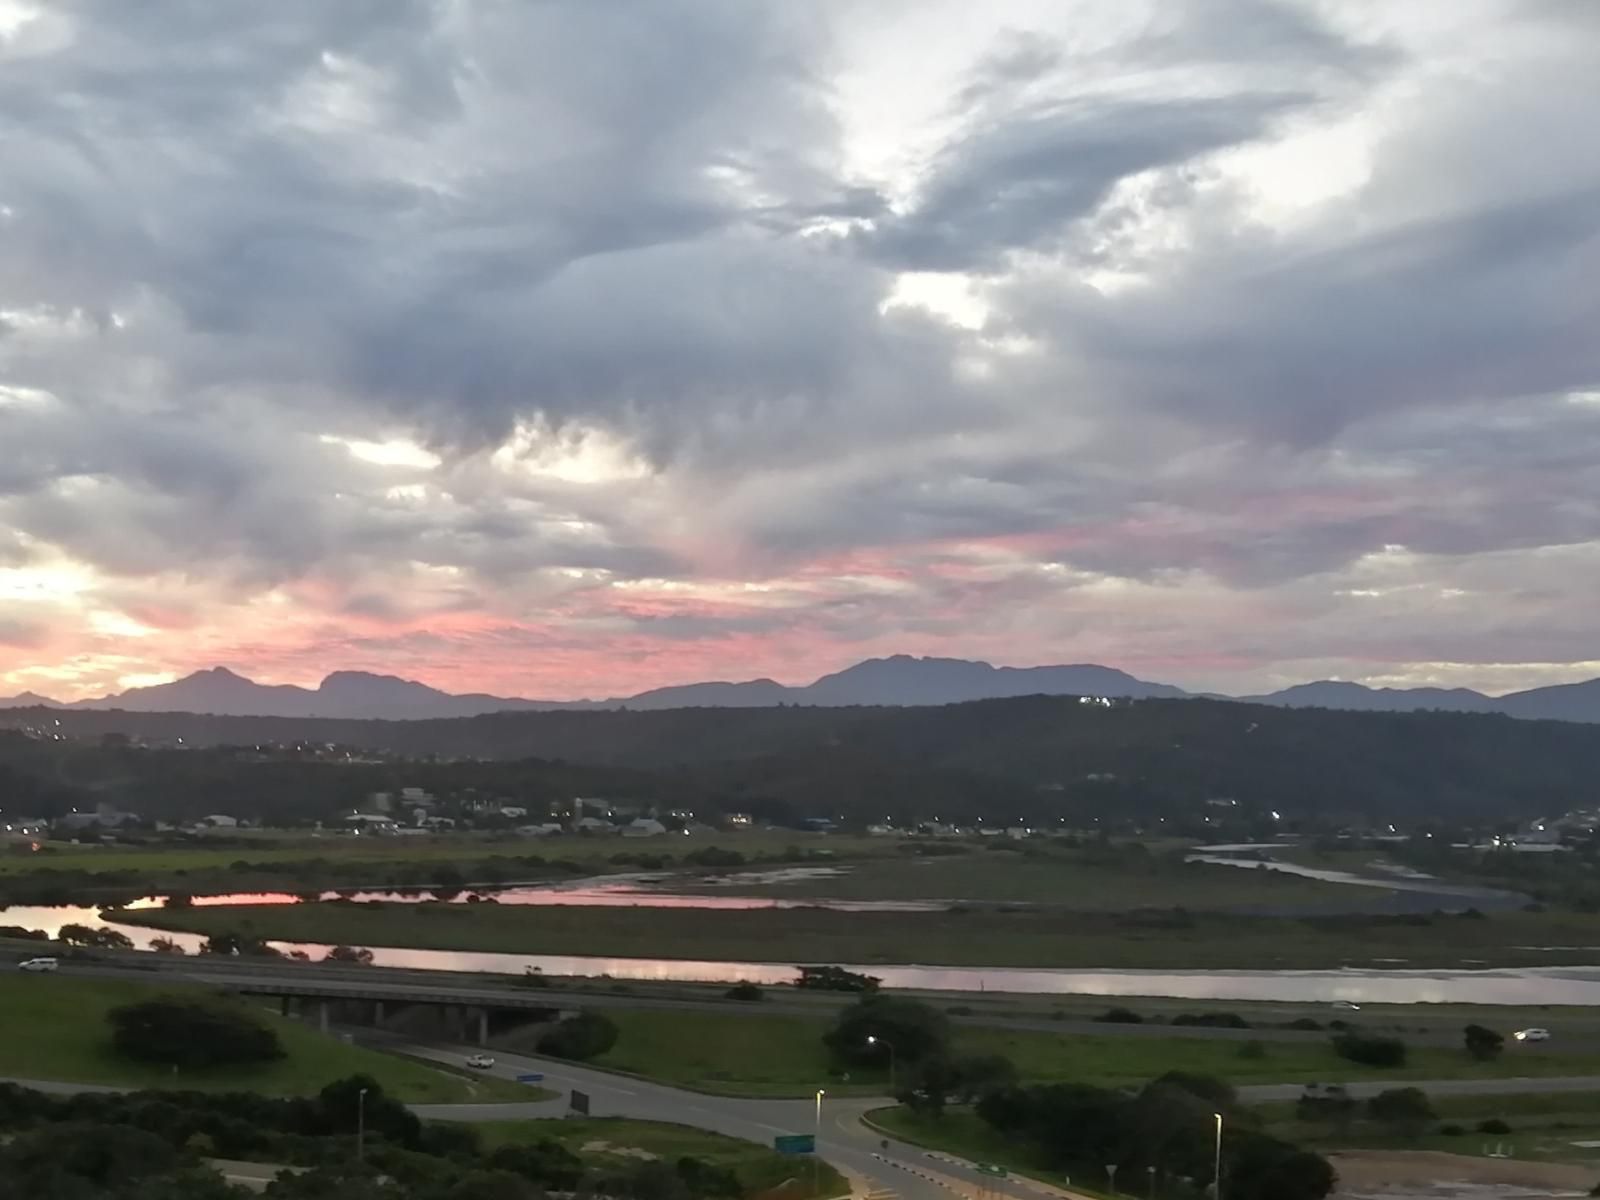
x: 876, y: 1166
x: 402, y: 985
x: 1263, y: 1092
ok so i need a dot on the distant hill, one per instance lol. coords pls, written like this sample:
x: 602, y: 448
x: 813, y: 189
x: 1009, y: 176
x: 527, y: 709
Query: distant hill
x: 1023, y: 759
x: 899, y: 680
x: 1328, y: 693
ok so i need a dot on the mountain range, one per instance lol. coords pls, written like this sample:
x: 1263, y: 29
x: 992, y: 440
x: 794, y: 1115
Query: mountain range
x: 901, y: 680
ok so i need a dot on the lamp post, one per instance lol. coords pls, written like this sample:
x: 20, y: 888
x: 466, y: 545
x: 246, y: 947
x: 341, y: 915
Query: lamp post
x: 816, y: 1149
x: 361, y: 1125
x: 874, y: 1040
x: 1216, y: 1169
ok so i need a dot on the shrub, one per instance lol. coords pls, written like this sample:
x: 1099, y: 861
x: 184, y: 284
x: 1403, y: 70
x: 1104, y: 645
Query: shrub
x: 1306, y: 1024
x: 1407, y: 1109
x: 900, y: 1031
x: 358, y: 956
x: 580, y: 1038
x: 1452, y: 1130
x: 1495, y: 1126
x: 1482, y: 1042
x: 1120, y: 1016
x: 1369, y: 1050
x: 185, y: 1033
x: 744, y: 991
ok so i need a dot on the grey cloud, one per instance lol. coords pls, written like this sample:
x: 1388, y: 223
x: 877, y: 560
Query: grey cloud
x: 1018, y: 184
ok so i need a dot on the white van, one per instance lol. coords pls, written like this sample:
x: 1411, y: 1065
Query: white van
x: 38, y: 964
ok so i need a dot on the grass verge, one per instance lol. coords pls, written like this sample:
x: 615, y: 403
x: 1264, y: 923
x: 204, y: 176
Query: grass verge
x: 782, y: 1055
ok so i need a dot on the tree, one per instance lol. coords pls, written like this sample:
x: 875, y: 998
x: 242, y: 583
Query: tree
x: 1406, y: 1110
x: 65, y: 1159
x: 186, y: 1033
x: 358, y: 956
x: 581, y: 1038
x: 1369, y: 1050
x: 1258, y: 1167
x: 835, y: 979
x: 935, y: 1081
x: 165, y: 945
x: 877, y: 1030
x: 1482, y: 1042
x: 235, y: 944
x: 341, y: 1107
x: 97, y: 939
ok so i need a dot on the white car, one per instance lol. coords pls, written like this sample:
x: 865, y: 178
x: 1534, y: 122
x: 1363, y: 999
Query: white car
x: 1532, y: 1035
x: 481, y: 1062
x: 38, y: 964
x: 1347, y: 1005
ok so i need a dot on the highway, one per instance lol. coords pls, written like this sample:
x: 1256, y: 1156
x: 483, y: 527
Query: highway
x: 403, y: 985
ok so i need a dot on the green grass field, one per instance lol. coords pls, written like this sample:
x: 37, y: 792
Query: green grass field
x: 973, y: 938
x: 56, y: 1030
x: 608, y: 1141
x: 781, y: 1055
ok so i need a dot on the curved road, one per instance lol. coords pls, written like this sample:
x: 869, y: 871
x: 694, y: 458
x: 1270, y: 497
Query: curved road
x: 875, y: 1166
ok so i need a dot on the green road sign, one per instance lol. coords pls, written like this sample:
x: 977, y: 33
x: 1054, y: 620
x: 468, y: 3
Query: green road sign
x: 795, y: 1143
x: 991, y: 1169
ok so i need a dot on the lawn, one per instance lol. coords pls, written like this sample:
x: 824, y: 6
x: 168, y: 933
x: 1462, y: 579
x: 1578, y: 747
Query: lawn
x: 57, y: 1031
x: 608, y: 1141
x: 979, y: 937
x: 781, y: 1055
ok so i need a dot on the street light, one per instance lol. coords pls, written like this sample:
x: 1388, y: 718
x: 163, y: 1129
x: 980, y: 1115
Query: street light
x: 874, y: 1040
x: 1216, y: 1169
x: 816, y: 1150
x: 361, y: 1125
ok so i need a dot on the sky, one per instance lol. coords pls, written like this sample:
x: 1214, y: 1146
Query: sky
x: 557, y: 349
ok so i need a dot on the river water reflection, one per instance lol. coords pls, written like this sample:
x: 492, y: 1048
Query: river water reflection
x: 1529, y: 986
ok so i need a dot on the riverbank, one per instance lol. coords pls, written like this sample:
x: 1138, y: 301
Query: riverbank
x: 1148, y: 940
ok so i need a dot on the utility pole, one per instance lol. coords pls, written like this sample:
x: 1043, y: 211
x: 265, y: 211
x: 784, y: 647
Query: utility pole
x: 361, y: 1125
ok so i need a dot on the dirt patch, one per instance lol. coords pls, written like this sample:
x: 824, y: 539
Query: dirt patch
x: 1421, y: 1172
x: 603, y: 1147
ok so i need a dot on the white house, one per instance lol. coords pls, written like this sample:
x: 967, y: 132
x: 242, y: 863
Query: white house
x: 591, y: 825
x: 643, y: 827
x: 221, y: 821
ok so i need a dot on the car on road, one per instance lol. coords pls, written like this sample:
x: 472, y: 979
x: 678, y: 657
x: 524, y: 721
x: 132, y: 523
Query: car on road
x: 38, y: 964
x: 1532, y: 1035
x: 480, y: 1062
x: 1347, y: 1005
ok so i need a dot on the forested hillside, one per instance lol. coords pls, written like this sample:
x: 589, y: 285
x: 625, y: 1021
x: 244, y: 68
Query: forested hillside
x: 1033, y: 758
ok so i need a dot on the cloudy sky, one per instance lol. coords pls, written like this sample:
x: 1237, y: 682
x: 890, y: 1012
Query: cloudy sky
x: 567, y: 348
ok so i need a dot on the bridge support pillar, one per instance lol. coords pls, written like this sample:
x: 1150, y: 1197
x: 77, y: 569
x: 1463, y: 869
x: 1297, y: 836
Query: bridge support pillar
x: 283, y: 1005
x: 377, y: 1012
x: 322, y: 1015
x: 483, y: 1027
